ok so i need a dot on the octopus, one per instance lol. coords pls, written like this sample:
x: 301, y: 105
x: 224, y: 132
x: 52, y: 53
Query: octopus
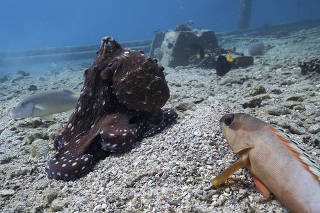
x: 120, y: 103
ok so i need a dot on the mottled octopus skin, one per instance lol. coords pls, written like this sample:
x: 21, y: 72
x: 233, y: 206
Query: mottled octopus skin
x: 120, y: 103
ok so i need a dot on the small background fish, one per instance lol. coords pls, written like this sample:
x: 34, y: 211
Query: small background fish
x: 45, y: 104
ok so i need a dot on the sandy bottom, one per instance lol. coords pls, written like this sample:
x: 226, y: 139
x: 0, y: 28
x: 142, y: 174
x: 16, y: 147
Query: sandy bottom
x: 169, y: 172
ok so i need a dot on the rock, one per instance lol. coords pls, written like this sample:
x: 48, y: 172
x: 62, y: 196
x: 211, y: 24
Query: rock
x: 242, y: 193
x: 18, y: 172
x: 179, y: 46
x: 104, y: 206
x: 314, y: 129
x: 315, y: 140
x: 19, y: 207
x: 255, y: 102
x: 258, y: 90
x: 174, y: 202
x: 276, y: 91
x: 242, y: 62
x: 197, y: 133
x: 38, y: 209
x: 288, y: 82
x: 298, y: 98
x: 299, y: 107
x: 134, y: 179
x: 39, y: 148
x: 5, y: 158
x: 41, y: 184
x: 292, y: 104
x: 312, y: 65
x: 230, y: 80
x: 7, y: 192
x: 57, y: 205
x: 219, y: 202
x: 97, y: 208
x: 50, y: 195
x: 33, y: 88
x: 277, y: 111
x: 33, y: 135
x: 36, y: 123
x: 295, y: 129
x: 184, y: 106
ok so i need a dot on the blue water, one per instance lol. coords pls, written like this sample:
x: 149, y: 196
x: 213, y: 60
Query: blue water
x: 44, y: 23
x: 33, y: 24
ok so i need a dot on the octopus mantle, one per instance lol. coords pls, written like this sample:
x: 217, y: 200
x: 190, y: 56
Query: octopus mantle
x: 120, y: 103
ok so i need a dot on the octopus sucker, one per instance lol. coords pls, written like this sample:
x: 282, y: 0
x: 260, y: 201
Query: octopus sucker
x: 120, y: 104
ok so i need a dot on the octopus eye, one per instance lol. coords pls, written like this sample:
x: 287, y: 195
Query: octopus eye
x: 86, y: 71
x: 228, y: 119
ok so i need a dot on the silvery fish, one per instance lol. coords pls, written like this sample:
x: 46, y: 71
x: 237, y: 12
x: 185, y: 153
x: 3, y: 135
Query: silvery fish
x: 45, y: 104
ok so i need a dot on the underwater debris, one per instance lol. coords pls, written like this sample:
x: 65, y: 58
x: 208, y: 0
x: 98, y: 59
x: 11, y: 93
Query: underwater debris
x: 256, y: 48
x: 179, y: 47
x: 242, y: 62
x: 312, y: 65
x: 223, y: 65
x: 185, y: 26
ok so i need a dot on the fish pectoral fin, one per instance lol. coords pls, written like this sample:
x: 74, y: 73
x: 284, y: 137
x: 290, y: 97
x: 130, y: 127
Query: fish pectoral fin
x: 262, y: 188
x: 222, y: 177
x: 39, y: 107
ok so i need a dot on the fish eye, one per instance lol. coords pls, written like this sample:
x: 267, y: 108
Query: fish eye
x: 228, y: 119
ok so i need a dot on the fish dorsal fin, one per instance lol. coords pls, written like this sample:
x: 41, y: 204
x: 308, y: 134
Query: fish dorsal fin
x: 299, y: 154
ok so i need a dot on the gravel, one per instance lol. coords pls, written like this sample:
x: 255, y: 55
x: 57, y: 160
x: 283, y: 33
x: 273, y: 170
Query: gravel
x: 171, y: 171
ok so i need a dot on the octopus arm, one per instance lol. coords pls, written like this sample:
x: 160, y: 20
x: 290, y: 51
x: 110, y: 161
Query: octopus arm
x: 65, y: 166
x: 169, y: 117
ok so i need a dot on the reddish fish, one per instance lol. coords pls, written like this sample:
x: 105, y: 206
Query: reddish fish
x: 277, y: 164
